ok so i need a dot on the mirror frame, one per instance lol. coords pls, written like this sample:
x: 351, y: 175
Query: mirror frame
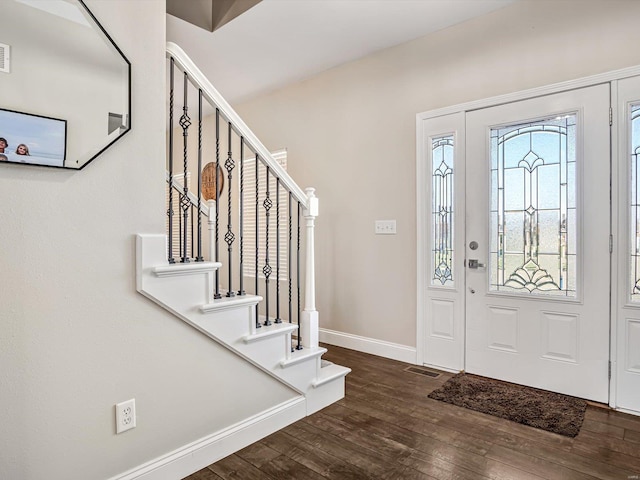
x: 124, y: 57
x: 116, y: 51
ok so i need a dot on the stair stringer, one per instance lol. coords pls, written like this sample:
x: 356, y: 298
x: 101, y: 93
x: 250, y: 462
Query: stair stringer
x: 186, y: 290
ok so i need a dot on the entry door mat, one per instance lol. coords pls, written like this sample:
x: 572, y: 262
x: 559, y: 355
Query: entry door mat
x: 529, y: 406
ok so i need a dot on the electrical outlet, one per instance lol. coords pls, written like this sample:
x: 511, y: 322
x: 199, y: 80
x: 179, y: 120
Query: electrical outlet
x: 385, y: 227
x: 125, y: 415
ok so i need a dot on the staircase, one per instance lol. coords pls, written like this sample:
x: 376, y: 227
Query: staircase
x: 209, y: 292
x: 186, y: 291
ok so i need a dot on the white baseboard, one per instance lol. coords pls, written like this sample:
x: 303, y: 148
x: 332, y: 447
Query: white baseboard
x: 381, y: 348
x: 195, y: 456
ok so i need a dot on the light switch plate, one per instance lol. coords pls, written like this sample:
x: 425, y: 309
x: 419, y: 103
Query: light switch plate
x: 385, y: 227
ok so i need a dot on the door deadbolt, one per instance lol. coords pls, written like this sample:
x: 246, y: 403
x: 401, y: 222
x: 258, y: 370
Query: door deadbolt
x: 473, y: 245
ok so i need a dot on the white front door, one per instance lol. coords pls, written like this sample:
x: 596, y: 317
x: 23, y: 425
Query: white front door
x: 538, y: 241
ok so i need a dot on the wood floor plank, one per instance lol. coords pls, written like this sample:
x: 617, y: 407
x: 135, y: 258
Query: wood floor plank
x: 416, y: 441
x: 313, y: 458
x: 595, y: 467
x: 535, y: 465
x: 284, y: 468
x: 612, y: 417
x: 386, y: 428
x: 603, y: 428
x: 257, y: 454
x: 438, y: 468
x: 632, y: 436
x: 592, y: 442
x: 235, y: 468
x: 374, y: 465
x: 204, y: 474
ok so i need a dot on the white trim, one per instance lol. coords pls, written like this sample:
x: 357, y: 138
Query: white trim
x: 422, y: 240
x: 444, y: 369
x: 617, y: 120
x: 184, y: 63
x: 176, y: 269
x: 394, y: 351
x: 533, y: 92
x: 607, y: 77
x: 630, y: 412
x: 196, y: 455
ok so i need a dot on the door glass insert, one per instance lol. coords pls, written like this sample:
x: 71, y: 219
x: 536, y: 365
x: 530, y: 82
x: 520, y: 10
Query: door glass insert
x: 442, y: 210
x: 533, y: 207
x: 634, y: 227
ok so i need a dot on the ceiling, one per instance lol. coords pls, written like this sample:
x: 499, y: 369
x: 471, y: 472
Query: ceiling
x: 279, y: 42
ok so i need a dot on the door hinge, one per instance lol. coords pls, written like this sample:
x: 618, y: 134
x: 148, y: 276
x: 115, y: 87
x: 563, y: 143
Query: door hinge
x: 610, y: 243
x: 610, y: 116
x: 609, y: 369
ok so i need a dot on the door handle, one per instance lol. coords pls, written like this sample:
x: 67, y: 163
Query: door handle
x: 475, y: 264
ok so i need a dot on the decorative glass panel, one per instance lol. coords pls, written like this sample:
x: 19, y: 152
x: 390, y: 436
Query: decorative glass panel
x: 533, y: 210
x: 442, y: 210
x: 634, y: 227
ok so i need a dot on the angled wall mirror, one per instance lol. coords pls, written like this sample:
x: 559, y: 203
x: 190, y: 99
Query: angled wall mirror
x: 65, y: 86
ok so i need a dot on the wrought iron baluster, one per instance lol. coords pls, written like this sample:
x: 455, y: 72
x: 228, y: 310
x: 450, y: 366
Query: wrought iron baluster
x: 199, y: 257
x: 289, y: 250
x: 217, y: 295
x: 266, y: 270
x: 299, y: 346
x: 278, y: 319
x: 241, y: 225
x: 180, y: 221
x: 258, y: 325
x: 229, y: 237
x: 191, y: 207
x: 170, y: 209
x: 185, y: 123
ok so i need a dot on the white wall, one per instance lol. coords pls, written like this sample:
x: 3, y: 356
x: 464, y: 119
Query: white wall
x: 350, y: 132
x: 75, y: 337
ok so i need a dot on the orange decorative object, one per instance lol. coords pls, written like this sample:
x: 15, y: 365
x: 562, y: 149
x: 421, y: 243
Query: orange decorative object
x: 209, y: 190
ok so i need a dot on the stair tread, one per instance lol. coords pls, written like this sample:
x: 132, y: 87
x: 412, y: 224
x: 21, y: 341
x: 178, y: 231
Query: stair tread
x: 270, y: 331
x: 186, y: 268
x: 298, y: 356
x: 329, y: 373
x: 230, y: 302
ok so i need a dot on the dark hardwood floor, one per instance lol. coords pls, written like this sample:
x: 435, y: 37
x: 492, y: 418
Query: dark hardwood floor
x: 387, y: 428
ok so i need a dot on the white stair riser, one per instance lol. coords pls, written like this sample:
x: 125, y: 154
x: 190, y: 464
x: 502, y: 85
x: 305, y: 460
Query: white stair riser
x: 321, y: 397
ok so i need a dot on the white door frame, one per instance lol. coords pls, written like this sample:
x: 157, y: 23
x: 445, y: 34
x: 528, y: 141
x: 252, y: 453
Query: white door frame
x: 423, y: 215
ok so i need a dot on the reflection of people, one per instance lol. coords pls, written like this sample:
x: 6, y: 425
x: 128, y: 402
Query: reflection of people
x: 22, y: 149
x: 3, y: 144
x: 3, y: 158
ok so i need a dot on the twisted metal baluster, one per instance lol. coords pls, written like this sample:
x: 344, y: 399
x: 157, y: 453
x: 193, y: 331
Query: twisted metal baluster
x: 185, y: 123
x: 266, y: 270
x: 258, y: 325
x: 241, y: 269
x: 289, y: 250
x: 278, y: 319
x: 299, y: 346
x: 229, y: 237
x: 170, y: 209
x: 217, y: 295
x: 199, y: 257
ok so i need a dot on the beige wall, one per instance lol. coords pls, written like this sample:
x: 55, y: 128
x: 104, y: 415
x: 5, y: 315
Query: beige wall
x: 350, y: 132
x: 75, y: 336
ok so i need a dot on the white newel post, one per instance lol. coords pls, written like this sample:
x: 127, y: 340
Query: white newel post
x: 309, y: 322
